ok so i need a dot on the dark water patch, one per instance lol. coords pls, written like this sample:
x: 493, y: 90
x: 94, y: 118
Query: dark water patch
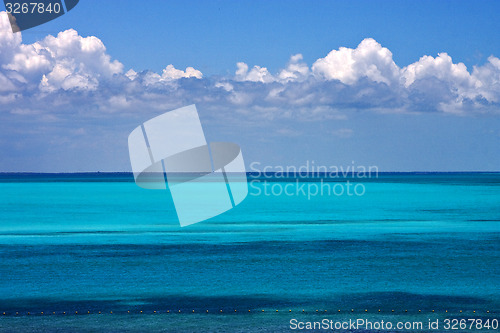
x: 171, y: 303
x: 400, y: 301
x: 359, y: 302
x: 433, y: 242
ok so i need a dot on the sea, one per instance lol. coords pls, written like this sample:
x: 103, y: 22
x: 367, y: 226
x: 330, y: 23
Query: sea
x: 93, y: 252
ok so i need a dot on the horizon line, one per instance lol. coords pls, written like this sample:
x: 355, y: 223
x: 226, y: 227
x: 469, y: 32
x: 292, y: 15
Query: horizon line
x: 249, y: 172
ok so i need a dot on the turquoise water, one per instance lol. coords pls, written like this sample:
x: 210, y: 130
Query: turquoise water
x: 91, y: 243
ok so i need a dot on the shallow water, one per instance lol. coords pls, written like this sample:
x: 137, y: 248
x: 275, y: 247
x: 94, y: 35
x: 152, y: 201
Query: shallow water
x: 91, y: 243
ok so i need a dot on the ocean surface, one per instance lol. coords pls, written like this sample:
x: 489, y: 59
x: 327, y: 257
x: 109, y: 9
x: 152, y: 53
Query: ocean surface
x: 94, y: 252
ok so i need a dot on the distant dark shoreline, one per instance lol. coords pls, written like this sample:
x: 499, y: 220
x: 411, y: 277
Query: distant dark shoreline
x: 248, y: 173
x: 431, y: 176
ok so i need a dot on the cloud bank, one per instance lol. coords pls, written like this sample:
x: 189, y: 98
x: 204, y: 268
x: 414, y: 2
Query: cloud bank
x: 71, y: 74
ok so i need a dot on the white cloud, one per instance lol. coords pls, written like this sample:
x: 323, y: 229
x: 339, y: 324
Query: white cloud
x: 67, y: 61
x: 29, y: 59
x: 9, y: 42
x: 224, y: 85
x: 441, y: 67
x: 73, y: 62
x: 256, y: 74
x: 72, y: 70
x: 369, y: 60
x: 66, y: 75
x: 487, y: 80
x: 131, y: 74
x: 296, y: 69
x: 171, y: 73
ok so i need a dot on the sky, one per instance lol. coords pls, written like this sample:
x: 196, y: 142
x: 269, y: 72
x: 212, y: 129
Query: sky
x: 402, y: 85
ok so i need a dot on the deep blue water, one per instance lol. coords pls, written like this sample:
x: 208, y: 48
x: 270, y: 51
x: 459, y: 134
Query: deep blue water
x: 97, y: 242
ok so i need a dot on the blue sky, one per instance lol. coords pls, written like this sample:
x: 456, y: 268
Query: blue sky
x: 213, y: 35
x: 404, y: 85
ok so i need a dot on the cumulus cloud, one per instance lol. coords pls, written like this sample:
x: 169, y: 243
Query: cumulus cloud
x: 367, y: 77
x: 73, y: 73
x: 486, y: 80
x: 296, y: 70
x: 256, y: 74
x: 9, y: 42
x: 441, y: 67
x: 66, y: 61
x: 369, y: 60
x: 171, y: 73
